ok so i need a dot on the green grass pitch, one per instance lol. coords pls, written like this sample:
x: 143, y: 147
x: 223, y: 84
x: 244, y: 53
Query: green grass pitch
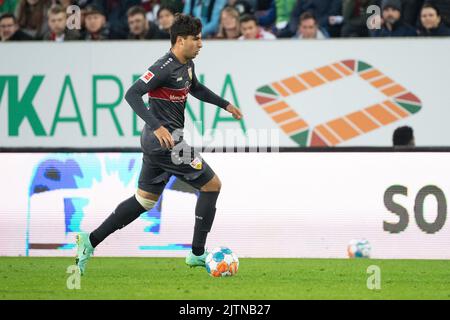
x: 169, y: 278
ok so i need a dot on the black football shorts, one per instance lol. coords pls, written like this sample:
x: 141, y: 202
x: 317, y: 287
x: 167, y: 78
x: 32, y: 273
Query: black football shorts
x: 183, y: 161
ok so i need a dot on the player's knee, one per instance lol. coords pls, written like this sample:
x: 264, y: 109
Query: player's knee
x: 213, y: 185
x: 146, y: 199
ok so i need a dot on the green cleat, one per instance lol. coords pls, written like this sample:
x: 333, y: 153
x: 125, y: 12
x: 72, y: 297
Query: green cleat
x: 196, y: 261
x: 84, y: 251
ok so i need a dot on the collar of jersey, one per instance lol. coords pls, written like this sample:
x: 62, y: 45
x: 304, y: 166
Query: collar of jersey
x: 172, y: 55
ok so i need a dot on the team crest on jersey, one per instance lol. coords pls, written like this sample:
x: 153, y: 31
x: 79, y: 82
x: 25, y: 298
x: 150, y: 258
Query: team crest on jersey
x: 146, y: 77
x: 196, y: 163
x: 190, y: 72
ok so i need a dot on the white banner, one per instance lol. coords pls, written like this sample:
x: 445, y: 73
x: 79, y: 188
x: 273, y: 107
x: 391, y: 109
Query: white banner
x: 271, y: 205
x: 292, y: 93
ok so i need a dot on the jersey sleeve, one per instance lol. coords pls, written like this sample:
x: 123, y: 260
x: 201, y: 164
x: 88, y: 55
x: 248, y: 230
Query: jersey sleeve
x: 153, y: 78
x: 201, y: 92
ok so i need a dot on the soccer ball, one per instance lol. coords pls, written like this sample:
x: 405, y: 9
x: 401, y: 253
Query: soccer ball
x: 359, y: 249
x: 222, y: 262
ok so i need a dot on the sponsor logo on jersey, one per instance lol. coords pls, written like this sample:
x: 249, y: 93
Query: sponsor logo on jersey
x: 175, y: 98
x: 147, y: 76
x: 173, y: 95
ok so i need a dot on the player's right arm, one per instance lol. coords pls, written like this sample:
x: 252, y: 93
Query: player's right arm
x: 152, y: 79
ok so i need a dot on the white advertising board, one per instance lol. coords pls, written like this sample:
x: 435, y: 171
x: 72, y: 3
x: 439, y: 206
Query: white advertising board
x: 271, y: 205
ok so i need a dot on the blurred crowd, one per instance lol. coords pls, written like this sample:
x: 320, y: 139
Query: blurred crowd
x: 64, y: 20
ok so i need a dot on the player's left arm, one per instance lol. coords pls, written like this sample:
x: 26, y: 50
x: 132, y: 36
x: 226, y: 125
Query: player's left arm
x: 201, y: 92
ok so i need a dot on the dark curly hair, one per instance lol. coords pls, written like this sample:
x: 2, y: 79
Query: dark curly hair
x: 403, y: 136
x: 184, y: 26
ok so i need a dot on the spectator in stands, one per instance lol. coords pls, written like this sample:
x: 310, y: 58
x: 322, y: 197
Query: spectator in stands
x: 96, y: 26
x: 152, y: 7
x: 208, y: 11
x: 431, y: 23
x: 308, y: 28
x: 252, y: 31
x: 444, y: 9
x: 140, y: 28
x: 115, y: 12
x: 355, y: 17
x: 9, y: 29
x: 166, y: 16
x: 266, y: 13
x: 283, y: 9
x: 278, y: 15
x: 65, y: 3
x: 229, y: 27
x: 242, y: 6
x: 327, y: 12
x: 32, y: 17
x: 403, y: 136
x: 321, y: 9
x: 8, y: 6
x: 260, y: 5
x: 83, y: 3
x: 410, y: 11
x: 176, y: 5
x: 57, y: 19
x: 393, y: 25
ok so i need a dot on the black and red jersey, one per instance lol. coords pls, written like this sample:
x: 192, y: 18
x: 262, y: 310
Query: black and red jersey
x: 168, y: 83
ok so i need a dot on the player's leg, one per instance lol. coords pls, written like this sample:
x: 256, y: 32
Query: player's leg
x: 125, y: 213
x: 187, y: 164
x: 205, y: 212
x: 151, y: 184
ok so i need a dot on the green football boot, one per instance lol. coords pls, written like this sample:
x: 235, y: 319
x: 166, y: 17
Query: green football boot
x: 84, y: 251
x: 196, y: 261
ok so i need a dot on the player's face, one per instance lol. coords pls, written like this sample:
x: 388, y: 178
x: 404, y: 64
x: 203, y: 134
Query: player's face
x: 137, y: 24
x: 192, y: 46
x: 57, y: 22
x: 429, y: 18
x: 249, y: 29
x: 308, y: 29
x: 7, y: 28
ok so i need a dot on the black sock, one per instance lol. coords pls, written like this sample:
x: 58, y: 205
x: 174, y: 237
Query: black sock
x: 125, y: 213
x: 93, y: 240
x: 200, y: 240
x: 205, y: 211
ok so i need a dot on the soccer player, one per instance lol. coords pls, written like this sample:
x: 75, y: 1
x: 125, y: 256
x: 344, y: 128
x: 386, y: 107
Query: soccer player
x: 167, y: 82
